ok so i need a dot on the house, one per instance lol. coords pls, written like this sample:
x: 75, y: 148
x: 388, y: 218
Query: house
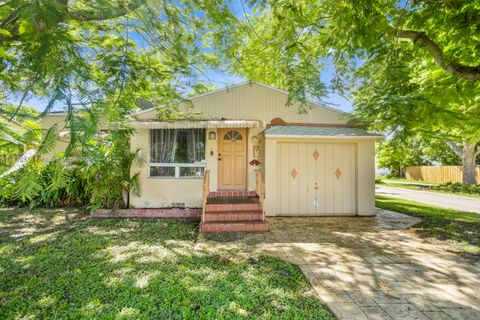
x: 249, y: 154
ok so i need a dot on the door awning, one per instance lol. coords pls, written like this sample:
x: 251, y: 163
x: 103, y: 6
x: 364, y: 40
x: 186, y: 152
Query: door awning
x: 198, y: 124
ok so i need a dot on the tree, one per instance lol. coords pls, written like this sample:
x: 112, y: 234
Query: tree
x: 100, y: 57
x: 407, y: 100
x: 106, y: 55
x: 287, y: 39
x: 16, y: 137
x: 396, y: 155
x: 412, y: 66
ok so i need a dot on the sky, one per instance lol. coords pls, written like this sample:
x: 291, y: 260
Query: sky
x: 218, y: 77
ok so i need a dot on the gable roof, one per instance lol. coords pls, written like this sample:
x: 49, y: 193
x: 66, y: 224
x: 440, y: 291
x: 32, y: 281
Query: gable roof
x: 249, y: 83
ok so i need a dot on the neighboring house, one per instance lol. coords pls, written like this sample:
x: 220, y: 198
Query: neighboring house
x: 313, y: 164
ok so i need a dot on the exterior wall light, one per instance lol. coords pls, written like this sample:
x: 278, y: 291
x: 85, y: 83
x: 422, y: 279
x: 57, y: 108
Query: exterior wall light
x: 212, y: 135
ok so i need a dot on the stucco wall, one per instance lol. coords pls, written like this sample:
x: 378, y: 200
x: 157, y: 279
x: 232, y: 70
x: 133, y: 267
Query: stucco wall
x: 161, y: 192
x: 364, y: 182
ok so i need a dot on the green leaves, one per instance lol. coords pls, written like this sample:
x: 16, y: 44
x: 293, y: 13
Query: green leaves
x: 29, y: 184
x: 49, y: 140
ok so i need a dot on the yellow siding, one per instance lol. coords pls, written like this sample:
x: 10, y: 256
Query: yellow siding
x: 49, y: 121
x: 249, y: 102
x: 254, y: 102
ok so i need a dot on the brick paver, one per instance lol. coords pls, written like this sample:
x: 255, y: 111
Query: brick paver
x: 372, y: 268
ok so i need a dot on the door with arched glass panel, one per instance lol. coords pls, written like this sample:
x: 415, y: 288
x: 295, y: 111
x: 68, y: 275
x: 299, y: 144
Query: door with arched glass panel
x: 232, y: 159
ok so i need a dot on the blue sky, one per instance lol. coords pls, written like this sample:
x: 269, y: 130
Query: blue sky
x: 218, y: 77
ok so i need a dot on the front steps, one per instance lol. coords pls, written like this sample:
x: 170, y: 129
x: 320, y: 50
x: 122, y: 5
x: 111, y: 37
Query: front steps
x: 233, y: 211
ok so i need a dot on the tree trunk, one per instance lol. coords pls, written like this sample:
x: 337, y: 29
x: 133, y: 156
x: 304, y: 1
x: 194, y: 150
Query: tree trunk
x: 468, y: 164
x: 468, y: 154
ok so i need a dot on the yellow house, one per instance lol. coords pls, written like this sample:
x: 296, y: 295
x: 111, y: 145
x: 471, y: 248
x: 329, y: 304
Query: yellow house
x: 249, y: 154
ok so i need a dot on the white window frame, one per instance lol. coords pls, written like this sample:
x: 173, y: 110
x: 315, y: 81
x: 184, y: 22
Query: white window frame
x: 177, y: 167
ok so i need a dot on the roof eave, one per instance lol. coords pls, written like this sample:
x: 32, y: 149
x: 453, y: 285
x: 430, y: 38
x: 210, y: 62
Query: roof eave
x: 203, y: 124
x: 324, y: 137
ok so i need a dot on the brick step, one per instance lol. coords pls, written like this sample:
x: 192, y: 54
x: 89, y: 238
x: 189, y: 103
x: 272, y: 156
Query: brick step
x: 233, y: 216
x: 233, y: 207
x: 232, y: 200
x: 237, y: 226
x: 233, y: 193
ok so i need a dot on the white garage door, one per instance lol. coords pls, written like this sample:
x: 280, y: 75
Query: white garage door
x: 316, y: 178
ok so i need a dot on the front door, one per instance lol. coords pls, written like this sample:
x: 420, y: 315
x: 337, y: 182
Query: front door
x: 232, y: 159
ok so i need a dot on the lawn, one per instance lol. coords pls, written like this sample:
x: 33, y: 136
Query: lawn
x: 460, y: 231
x: 397, y: 183
x: 404, y: 180
x: 57, y: 265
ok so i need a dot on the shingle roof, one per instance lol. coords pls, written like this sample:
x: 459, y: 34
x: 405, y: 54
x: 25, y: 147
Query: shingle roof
x: 318, y: 131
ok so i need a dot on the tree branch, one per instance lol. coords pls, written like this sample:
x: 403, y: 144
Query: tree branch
x: 105, y: 15
x: 21, y: 102
x: 452, y: 67
x: 455, y: 148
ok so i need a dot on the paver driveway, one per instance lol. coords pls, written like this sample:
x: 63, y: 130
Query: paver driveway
x: 372, y: 268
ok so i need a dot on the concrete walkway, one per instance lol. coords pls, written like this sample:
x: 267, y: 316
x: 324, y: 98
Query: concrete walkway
x: 371, y: 268
x: 433, y: 198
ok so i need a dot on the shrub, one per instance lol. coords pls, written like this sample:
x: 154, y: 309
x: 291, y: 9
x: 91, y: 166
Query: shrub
x: 99, y: 177
x: 43, y: 185
x: 458, y: 187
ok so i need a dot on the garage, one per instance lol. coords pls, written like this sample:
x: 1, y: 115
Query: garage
x: 316, y: 178
x: 319, y: 171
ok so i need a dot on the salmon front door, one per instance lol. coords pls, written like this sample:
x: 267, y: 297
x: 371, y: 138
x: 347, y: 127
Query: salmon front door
x: 232, y: 159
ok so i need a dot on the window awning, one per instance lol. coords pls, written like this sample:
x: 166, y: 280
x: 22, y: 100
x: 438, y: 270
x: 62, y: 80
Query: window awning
x: 198, y: 124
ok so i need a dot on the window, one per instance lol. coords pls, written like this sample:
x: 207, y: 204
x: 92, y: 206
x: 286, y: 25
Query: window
x: 232, y: 136
x: 177, y: 153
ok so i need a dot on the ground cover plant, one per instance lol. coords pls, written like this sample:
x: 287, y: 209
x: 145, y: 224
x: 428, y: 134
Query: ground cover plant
x: 460, y: 231
x: 60, y: 264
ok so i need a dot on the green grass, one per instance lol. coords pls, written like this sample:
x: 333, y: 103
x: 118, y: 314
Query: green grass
x: 59, y: 266
x: 422, y: 188
x: 414, y: 187
x: 404, y: 180
x: 460, y: 231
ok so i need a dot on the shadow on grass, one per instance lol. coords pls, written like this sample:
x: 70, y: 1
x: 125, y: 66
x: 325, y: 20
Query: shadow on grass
x: 137, y: 269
